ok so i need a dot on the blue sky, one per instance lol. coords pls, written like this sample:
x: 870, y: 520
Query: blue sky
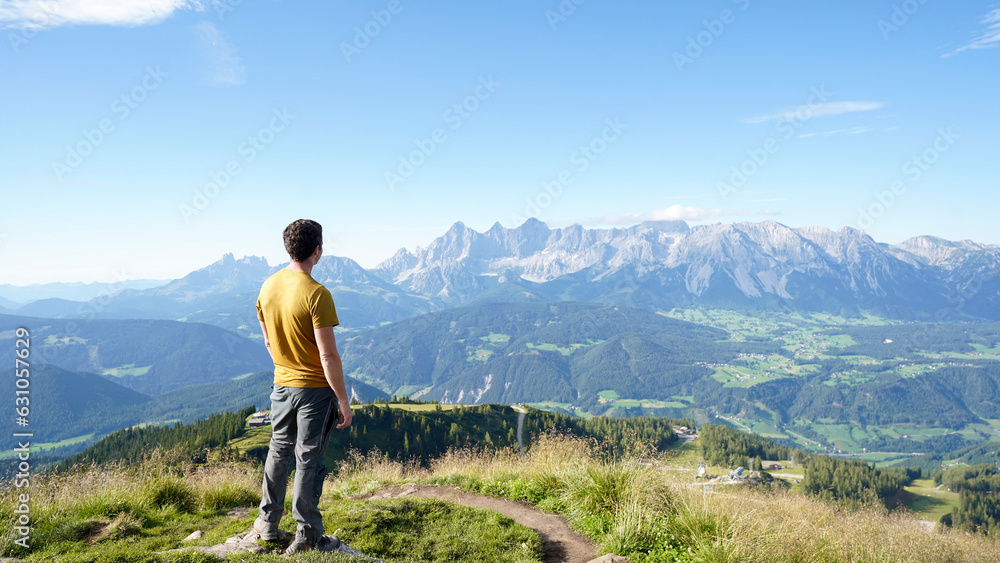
x: 146, y: 139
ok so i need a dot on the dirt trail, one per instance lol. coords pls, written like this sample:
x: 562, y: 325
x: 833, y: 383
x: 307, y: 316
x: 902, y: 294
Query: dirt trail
x: 561, y: 543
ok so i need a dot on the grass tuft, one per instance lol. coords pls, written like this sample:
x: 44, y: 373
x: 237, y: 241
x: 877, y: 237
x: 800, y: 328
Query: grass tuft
x: 171, y: 491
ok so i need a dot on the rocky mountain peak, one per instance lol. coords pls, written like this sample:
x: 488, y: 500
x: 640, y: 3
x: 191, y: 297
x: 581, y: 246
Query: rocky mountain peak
x: 664, y: 226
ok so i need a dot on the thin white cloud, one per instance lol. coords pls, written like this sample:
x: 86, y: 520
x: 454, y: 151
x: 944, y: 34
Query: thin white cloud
x: 46, y: 14
x: 986, y: 39
x: 852, y: 131
x: 224, y: 65
x: 687, y: 196
x: 672, y: 213
x: 804, y: 112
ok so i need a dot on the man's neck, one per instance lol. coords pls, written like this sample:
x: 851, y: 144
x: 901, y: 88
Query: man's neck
x: 306, y: 266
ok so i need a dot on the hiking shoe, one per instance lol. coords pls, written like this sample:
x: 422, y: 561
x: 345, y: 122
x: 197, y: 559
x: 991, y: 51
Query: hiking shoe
x: 303, y: 544
x: 328, y: 543
x: 268, y: 531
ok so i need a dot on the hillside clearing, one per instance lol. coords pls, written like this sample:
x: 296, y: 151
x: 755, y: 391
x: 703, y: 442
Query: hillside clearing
x: 560, y: 542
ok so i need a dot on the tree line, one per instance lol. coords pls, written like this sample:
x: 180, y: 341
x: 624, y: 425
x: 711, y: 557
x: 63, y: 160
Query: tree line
x: 978, y: 507
x: 849, y: 482
x: 133, y: 444
x: 396, y: 433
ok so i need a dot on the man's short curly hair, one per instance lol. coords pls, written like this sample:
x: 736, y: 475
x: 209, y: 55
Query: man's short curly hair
x: 301, y: 239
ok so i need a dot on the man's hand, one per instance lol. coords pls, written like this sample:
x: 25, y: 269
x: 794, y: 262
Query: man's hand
x: 346, y: 413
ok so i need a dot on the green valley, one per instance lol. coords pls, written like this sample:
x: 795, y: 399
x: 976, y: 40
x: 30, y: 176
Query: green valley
x: 854, y: 385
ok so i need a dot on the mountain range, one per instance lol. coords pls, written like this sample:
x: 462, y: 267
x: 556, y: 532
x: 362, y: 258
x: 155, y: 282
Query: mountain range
x: 665, y: 264
x: 224, y: 294
x: 534, y: 314
x: 653, y: 265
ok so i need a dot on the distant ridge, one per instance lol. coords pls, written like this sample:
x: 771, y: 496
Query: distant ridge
x: 12, y: 296
x: 653, y: 265
x: 667, y: 264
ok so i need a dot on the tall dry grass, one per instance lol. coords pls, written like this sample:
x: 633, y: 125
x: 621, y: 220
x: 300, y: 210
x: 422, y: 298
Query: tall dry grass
x: 748, y: 525
x: 115, y: 501
x: 631, y: 507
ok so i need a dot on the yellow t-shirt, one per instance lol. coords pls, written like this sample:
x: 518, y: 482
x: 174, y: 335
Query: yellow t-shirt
x: 291, y: 304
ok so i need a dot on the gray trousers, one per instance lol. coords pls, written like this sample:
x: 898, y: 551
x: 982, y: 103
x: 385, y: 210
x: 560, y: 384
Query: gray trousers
x: 301, y: 421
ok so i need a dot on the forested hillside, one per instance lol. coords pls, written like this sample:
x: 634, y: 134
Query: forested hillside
x: 136, y: 443
x: 800, y: 379
x: 82, y: 407
x: 979, y: 497
x: 198, y: 401
x: 148, y: 356
x: 401, y: 432
x: 511, y: 353
x: 849, y: 482
x: 976, y: 454
x: 66, y: 404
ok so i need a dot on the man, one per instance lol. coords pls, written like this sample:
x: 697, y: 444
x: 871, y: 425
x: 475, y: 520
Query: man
x: 297, y: 316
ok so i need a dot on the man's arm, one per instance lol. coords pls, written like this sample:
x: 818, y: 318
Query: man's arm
x: 334, y: 371
x: 267, y: 341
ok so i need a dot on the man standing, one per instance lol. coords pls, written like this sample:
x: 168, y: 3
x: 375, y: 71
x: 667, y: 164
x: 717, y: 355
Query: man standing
x: 297, y: 317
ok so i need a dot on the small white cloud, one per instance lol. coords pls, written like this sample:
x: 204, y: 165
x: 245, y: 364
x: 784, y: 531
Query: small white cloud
x: 804, y: 112
x: 46, y: 14
x: 672, y: 213
x: 224, y: 65
x: 986, y: 39
x: 852, y: 131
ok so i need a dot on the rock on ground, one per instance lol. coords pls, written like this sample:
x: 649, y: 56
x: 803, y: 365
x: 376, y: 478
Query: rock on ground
x: 248, y: 544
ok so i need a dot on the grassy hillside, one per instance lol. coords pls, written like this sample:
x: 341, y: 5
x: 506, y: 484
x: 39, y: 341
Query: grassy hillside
x: 651, y: 512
